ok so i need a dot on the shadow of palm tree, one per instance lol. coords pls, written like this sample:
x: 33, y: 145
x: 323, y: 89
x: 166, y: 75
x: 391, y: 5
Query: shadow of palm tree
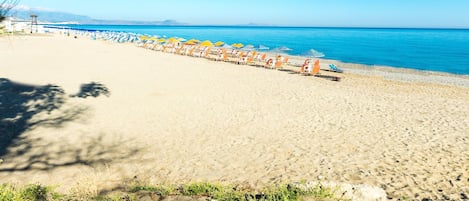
x: 44, y: 156
x: 20, y: 102
x: 93, y: 89
x: 20, y: 107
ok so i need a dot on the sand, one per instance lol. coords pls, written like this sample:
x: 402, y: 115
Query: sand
x: 174, y: 119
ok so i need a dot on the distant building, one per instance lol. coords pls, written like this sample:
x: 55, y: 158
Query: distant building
x: 16, y: 25
x: 12, y: 24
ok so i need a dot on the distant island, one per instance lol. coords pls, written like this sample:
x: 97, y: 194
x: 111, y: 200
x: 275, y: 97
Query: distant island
x: 54, y: 17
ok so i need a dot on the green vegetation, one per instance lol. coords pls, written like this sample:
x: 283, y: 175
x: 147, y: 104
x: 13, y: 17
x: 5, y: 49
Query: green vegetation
x: 30, y: 192
x: 210, y: 190
x: 5, y: 7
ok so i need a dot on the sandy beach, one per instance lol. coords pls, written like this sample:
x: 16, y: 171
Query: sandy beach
x: 173, y: 119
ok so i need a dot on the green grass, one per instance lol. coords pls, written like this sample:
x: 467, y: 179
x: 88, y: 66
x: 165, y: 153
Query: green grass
x: 215, y: 191
x: 30, y: 192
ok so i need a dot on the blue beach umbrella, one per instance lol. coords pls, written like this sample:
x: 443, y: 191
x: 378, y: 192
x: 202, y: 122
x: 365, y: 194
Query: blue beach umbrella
x: 280, y: 50
x: 227, y: 46
x: 314, y: 53
x: 261, y: 47
x: 248, y: 48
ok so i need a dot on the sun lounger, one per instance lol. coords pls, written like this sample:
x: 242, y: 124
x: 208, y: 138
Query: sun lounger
x: 306, y: 67
x: 271, y: 63
x: 309, y: 68
x: 316, y: 68
x: 335, y: 68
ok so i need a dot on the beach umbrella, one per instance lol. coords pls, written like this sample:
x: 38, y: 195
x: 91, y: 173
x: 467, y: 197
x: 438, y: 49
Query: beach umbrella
x: 172, y: 40
x: 143, y: 37
x: 237, y: 45
x: 194, y: 40
x: 153, y: 38
x: 161, y: 40
x: 182, y: 39
x: 261, y: 47
x: 219, y: 43
x: 206, y: 43
x: 227, y: 46
x: 314, y: 53
x: 284, y: 48
x: 248, y: 47
x: 190, y: 43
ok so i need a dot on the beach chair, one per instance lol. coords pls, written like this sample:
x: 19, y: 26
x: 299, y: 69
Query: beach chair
x: 309, y: 68
x: 251, y: 58
x: 261, y: 59
x: 280, y: 61
x: 207, y: 52
x: 335, y: 68
x: 225, y: 55
x: 191, y: 52
x: 271, y: 63
x: 278, y: 64
x: 316, y: 68
x: 306, y: 67
x: 239, y: 57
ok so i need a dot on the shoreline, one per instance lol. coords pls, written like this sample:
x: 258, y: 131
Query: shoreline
x: 347, y: 64
x: 183, y: 118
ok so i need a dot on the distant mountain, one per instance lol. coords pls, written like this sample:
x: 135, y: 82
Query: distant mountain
x: 46, y: 16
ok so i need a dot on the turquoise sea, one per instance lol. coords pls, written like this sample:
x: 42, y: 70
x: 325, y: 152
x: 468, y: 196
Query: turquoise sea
x: 444, y: 50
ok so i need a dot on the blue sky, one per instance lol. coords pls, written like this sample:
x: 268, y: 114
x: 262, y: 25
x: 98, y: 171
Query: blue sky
x: 362, y: 13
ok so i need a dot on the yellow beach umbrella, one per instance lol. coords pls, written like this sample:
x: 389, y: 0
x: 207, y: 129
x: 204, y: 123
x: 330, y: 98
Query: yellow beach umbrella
x: 192, y: 42
x: 219, y: 43
x: 206, y: 43
x: 153, y: 38
x: 237, y: 45
x: 143, y: 37
x: 161, y: 40
x: 173, y: 40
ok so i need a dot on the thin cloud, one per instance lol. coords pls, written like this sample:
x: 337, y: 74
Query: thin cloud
x: 28, y: 8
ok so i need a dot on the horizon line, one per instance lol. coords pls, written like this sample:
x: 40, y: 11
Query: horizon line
x: 259, y: 26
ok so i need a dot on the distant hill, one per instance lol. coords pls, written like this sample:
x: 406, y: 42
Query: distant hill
x: 62, y: 17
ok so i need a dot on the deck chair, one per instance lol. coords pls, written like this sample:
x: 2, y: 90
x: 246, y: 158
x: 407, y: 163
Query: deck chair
x: 207, y: 52
x: 335, y: 68
x: 191, y: 52
x: 306, y: 67
x: 278, y: 64
x: 251, y: 58
x: 271, y: 63
x: 316, y: 68
x: 225, y: 55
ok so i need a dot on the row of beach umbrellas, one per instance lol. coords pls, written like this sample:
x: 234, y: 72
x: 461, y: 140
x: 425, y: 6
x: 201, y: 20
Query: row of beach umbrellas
x: 133, y: 37
x: 205, y: 43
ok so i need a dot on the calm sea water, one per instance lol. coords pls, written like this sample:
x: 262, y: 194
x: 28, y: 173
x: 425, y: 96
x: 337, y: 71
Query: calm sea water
x: 445, y: 50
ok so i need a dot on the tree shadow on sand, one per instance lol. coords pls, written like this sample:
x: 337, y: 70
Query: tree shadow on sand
x: 25, y: 107
x: 93, y: 89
